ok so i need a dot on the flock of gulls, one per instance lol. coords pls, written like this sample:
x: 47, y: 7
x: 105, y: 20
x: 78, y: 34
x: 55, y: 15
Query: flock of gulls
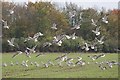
x: 58, y: 40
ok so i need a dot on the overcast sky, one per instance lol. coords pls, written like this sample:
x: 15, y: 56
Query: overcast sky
x: 108, y: 4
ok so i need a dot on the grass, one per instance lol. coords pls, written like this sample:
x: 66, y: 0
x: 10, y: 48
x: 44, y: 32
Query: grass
x: 88, y: 71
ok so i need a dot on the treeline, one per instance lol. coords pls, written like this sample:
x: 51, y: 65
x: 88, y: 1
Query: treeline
x: 31, y: 18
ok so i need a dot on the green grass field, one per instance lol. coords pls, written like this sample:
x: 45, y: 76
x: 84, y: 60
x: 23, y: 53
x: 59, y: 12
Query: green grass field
x: 87, y: 71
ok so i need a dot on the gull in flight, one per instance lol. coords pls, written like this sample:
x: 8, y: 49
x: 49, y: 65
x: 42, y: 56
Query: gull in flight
x: 5, y: 24
x: 33, y: 49
x: 27, y: 53
x: 76, y: 27
x: 69, y: 62
x: 97, y: 32
x: 104, y: 19
x: 101, y: 40
x: 47, y: 44
x: 54, y: 26
x: 73, y: 36
x: 94, y: 22
x: 11, y: 11
x: 86, y: 47
x: 35, y: 37
x: 11, y: 42
x: 18, y: 53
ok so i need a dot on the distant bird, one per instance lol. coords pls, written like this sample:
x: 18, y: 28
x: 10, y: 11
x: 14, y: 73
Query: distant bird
x: 94, y: 57
x: 35, y: 37
x: 32, y: 50
x: 93, y: 45
x: 38, y: 55
x: 67, y: 37
x: 11, y: 11
x: 58, y: 40
x: 54, y: 26
x: 69, y: 62
x: 97, y: 32
x: 24, y: 63
x: 94, y: 22
x: 101, y: 40
x: 79, y: 58
x: 47, y: 44
x: 76, y: 27
x: 36, y: 64
x: 12, y: 64
x: 102, y: 67
x: 27, y: 53
x: 50, y: 63
x: 73, y: 36
x: 104, y: 19
x: 5, y: 25
x: 81, y: 16
x: 17, y: 63
x: 86, y: 47
x: 17, y: 53
x: 4, y: 65
x: 81, y: 62
x: 11, y: 42
x: 45, y: 64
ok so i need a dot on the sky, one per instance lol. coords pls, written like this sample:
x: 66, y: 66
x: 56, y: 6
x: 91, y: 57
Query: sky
x: 107, y: 4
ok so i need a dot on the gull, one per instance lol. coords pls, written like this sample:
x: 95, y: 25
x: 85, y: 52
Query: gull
x: 35, y: 37
x: 102, y: 67
x: 12, y: 64
x: 73, y: 36
x: 104, y: 19
x: 47, y: 44
x: 58, y: 39
x: 71, y: 14
x: 93, y: 45
x: 51, y: 63
x: 59, y: 43
x: 54, y: 26
x: 33, y: 49
x: 96, y: 31
x: 11, y: 42
x: 5, y: 24
x: 38, y: 55
x: 17, y: 63
x: 31, y: 63
x: 62, y: 58
x: 80, y: 63
x: 11, y: 11
x: 27, y: 53
x: 101, y: 40
x: 69, y: 62
x: 45, y: 64
x: 81, y: 15
x: 76, y: 27
x: 68, y: 37
x: 94, y: 22
x: 86, y: 47
x: 18, y: 53
x: 79, y: 58
x: 4, y: 65
x: 24, y: 63
x: 36, y: 64
x: 110, y: 64
x: 94, y: 57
